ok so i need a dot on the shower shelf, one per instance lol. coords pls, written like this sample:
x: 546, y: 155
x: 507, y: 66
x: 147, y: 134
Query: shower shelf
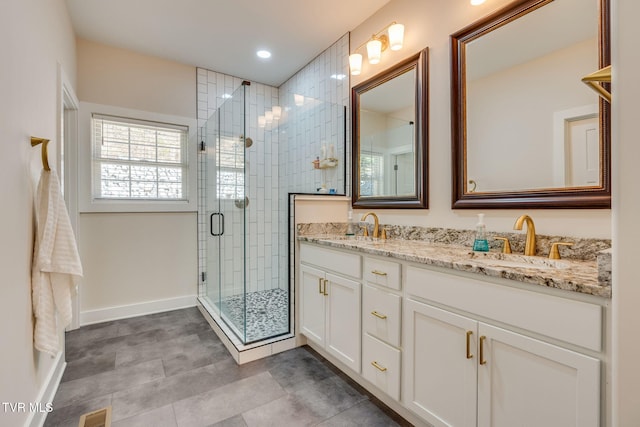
x: 327, y: 163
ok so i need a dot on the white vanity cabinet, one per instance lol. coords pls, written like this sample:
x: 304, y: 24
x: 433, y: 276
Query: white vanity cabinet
x: 440, y: 379
x: 448, y: 348
x: 460, y: 371
x: 381, y: 324
x: 330, y: 302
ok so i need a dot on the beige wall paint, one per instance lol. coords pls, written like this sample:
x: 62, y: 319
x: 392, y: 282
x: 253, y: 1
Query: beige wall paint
x: 113, y: 76
x: 36, y: 36
x: 132, y: 258
x: 135, y: 258
x: 429, y: 23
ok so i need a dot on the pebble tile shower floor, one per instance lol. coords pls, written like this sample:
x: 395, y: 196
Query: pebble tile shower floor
x: 267, y: 313
x: 170, y: 369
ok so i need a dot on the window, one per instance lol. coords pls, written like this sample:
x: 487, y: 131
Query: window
x: 230, y: 171
x: 371, y: 173
x: 138, y: 160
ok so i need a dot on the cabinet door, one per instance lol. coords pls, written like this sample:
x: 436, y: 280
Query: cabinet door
x: 440, y: 360
x: 529, y: 382
x: 312, y: 303
x: 343, y: 320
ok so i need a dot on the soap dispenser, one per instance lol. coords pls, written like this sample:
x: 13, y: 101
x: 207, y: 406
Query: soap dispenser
x: 480, y: 243
x: 351, y: 226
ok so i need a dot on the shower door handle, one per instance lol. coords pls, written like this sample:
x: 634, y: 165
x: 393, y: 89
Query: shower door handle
x: 220, y: 216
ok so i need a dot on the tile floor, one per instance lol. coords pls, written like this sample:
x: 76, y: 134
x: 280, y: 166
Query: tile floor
x: 170, y: 369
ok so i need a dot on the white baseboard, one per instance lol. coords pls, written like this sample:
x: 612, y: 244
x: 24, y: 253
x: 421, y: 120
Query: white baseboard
x: 48, y: 391
x: 132, y: 310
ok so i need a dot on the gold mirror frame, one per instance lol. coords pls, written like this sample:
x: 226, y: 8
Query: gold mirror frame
x: 562, y: 198
x: 420, y: 199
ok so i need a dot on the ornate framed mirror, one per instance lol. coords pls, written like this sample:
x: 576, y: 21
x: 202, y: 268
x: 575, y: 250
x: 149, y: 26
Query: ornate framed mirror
x: 389, y: 137
x: 526, y: 132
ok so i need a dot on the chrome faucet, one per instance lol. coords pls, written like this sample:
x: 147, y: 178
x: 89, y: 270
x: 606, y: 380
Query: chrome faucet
x: 530, y: 244
x: 376, y: 224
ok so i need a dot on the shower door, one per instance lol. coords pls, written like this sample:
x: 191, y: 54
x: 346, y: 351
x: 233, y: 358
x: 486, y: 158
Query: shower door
x: 225, y: 215
x: 245, y: 226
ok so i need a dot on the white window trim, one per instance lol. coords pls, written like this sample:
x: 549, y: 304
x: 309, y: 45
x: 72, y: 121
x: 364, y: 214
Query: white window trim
x: 88, y: 204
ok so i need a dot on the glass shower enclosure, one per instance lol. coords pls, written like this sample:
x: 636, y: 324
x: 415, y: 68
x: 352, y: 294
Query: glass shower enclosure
x: 243, y: 284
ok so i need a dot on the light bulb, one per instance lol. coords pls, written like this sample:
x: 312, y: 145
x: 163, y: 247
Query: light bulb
x: 355, y: 63
x: 396, y: 36
x: 374, y: 50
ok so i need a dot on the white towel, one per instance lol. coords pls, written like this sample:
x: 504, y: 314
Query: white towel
x: 56, y: 264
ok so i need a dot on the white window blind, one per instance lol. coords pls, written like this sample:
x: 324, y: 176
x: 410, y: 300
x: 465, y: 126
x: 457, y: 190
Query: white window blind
x: 371, y: 173
x: 230, y: 171
x: 138, y: 160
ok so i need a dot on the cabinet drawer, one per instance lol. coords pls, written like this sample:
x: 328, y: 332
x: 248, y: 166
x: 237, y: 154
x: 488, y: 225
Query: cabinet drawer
x: 347, y: 264
x: 568, y: 320
x: 382, y: 272
x: 381, y: 314
x: 381, y: 365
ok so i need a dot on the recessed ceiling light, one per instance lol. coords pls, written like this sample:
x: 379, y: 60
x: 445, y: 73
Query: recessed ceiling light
x: 264, y: 54
x: 477, y: 2
x: 338, y: 76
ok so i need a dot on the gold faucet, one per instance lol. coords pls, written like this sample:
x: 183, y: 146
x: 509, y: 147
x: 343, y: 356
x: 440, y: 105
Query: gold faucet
x: 376, y: 224
x: 530, y: 244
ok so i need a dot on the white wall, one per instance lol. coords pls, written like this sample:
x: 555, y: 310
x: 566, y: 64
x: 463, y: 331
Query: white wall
x: 429, y: 23
x: 36, y: 36
x: 136, y: 262
x: 626, y: 205
x: 534, y: 90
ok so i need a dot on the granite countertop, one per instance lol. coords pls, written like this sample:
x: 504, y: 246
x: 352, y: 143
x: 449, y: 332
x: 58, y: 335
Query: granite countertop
x: 566, y: 274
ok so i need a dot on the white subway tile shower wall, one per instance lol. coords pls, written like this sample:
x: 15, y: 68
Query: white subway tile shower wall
x: 313, y: 101
x: 279, y: 161
x: 261, y: 166
x: 302, y: 143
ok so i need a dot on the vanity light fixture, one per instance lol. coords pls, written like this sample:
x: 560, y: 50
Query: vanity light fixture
x: 374, y: 51
x: 355, y: 63
x: 262, y: 121
x: 377, y: 44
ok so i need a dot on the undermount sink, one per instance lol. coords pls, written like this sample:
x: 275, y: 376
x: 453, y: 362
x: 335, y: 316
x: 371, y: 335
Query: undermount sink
x: 516, y: 261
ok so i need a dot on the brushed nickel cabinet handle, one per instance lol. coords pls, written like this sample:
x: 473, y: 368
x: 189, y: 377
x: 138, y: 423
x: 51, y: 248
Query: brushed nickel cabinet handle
x: 469, y: 355
x: 378, y: 367
x: 320, y: 286
x: 482, y: 361
x: 325, y: 293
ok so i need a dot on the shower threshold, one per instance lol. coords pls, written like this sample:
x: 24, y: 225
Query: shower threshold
x: 243, y: 353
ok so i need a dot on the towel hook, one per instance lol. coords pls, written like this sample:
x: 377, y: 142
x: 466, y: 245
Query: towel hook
x: 45, y: 156
x: 601, y: 76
